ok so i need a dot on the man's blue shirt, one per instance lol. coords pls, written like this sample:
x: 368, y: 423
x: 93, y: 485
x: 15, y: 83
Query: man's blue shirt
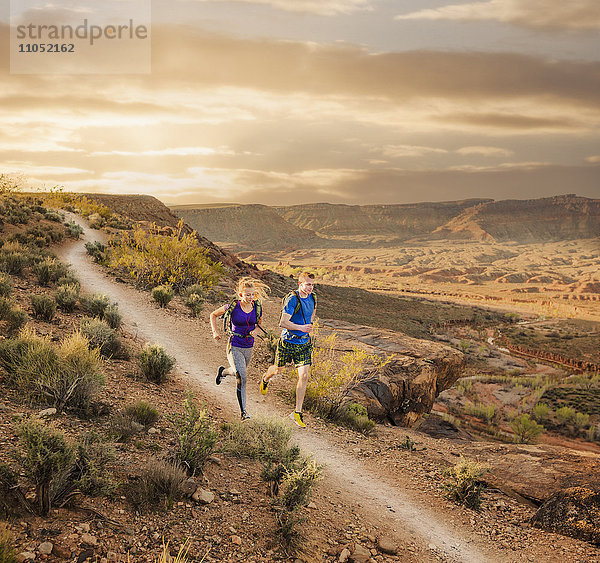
x: 301, y: 317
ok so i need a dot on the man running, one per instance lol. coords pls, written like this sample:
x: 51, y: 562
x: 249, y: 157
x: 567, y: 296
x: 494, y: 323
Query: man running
x: 295, y: 344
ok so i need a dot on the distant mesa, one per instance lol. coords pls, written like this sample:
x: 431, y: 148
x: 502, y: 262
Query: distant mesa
x: 324, y: 225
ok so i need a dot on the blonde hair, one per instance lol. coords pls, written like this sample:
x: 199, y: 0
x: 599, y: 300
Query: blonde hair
x: 261, y: 289
x: 305, y: 276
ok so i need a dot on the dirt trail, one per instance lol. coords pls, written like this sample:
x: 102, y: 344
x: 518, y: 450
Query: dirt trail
x: 379, y: 499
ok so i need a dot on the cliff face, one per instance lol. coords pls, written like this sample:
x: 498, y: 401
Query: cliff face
x: 563, y: 217
x: 248, y: 227
x: 402, y: 221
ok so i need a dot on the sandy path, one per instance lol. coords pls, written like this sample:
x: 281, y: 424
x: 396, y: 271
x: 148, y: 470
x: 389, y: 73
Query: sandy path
x: 380, y: 500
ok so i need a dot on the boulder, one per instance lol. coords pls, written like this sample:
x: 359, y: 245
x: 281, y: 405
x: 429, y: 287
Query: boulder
x: 573, y: 512
x: 405, y: 388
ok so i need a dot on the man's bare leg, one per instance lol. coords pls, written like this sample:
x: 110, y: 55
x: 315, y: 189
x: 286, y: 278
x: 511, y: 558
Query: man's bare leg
x: 303, y: 372
x: 271, y: 371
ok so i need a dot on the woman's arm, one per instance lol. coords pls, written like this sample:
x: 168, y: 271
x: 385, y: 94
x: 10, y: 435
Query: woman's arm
x: 213, y: 321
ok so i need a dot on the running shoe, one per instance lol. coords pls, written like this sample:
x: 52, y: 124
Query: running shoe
x: 297, y: 418
x: 220, y: 376
x: 245, y: 416
x: 264, y: 385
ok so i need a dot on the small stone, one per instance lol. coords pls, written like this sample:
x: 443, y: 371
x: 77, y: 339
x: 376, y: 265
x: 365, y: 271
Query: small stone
x: 344, y: 555
x: 189, y: 486
x: 88, y: 539
x: 235, y: 492
x: 112, y: 556
x: 47, y: 412
x: 236, y: 540
x: 153, y: 430
x: 360, y: 554
x: 61, y: 551
x: 386, y: 545
x: 432, y: 546
x: 312, y: 505
x: 214, y: 459
x: 25, y: 556
x: 203, y: 496
x: 45, y: 548
x: 85, y: 554
x: 85, y: 527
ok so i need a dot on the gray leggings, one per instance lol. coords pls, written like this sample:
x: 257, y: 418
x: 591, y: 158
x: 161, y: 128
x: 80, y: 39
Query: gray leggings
x: 239, y: 358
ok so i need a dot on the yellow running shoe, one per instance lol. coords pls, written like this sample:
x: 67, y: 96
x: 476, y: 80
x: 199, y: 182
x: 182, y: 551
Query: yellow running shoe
x: 297, y: 418
x: 264, y: 385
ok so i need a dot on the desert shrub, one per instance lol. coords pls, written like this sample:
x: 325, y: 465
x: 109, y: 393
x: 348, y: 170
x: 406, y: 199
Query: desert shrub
x: 465, y: 386
x: 195, y: 303
x: 160, y: 482
x: 101, y: 336
x: 119, y: 222
x: 6, y: 285
x: 69, y: 279
x: 95, y: 305
x: 154, y: 363
x: 581, y: 420
x: 195, y: 288
x: 143, y: 413
x: 8, y: 553
x: 73, y: 229
x: 93, y: 458
x: 9, y: 504
x: 297, y: 486
x: 153, y: 260
x: 54, y: 216
x: 14, y: 258
x: 408, y: 444
x: 97, y: 251
x: 565, y: 415
x: 333, y: 377
x: 464, y: 485
x: 112, y: 316
x: 593, y: 433
x: 258, y: 438
x: 541, y: 411
x: 49, y: 270
x: 526, y: 429
x: 355, y: 416
x: 66, y: 297
x: 123, y: 427
x: 163, y: 294
x: 39, y: 236
x: 47, y: 458
x: 181, y: 557
x: 44, y: 306
x: 96, y: 221
x: 196, y: 437
x: 586, y: 381
x: 12, y: 317
x: 487, y: 413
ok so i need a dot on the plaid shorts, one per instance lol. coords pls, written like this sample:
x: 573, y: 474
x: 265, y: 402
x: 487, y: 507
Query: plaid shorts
x: 299, y: 354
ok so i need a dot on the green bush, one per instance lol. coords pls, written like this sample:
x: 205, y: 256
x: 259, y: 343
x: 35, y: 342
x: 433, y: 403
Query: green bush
x: 486, y: 413
x: 160, y: 483
x: 97, y: 251
x: 66, y: 296
x: 154, y: 363
x: 464, y: 485
x: 6, y: 285
x: 143, y: 413
x: 14, y: 258
x: 565, y: 415
x: 526, y: 429
x: 46, y: 460
x: 9, y: 504
x: 94, y: 456
x: 163, y: 294
x: 123, y: 427
x: 581, y: 420
x: 194, y: 303
x: 258, y: 438
x: 153, y: 260
x: 101, y: 336
x: 196, y: 437
x: 112, y: 316
x: 7, y: 551
x: 54, y: 216
x: 69, y: 279
x: 95, y: 305
x: 194, y: 289
x: 49, y: 270
x: 12, y: 317
x: 44, y: 306
x: 355, y: 416
x: 74, y: 230
x: 541, y: 411
x: 408, y: 444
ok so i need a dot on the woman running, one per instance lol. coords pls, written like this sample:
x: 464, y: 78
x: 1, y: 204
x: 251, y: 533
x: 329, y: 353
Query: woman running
x: 242, y: 318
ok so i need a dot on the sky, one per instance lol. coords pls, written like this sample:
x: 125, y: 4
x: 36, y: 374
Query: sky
x: 295, y: 101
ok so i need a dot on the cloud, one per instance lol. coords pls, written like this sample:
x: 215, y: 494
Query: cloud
x: 535, y: 14
x: 593, y: 159
x: 515, y: 122
x: 397, y: 151
x: 484, y: 151
x: 318, y: 7
x: 173, y: 151
x: 31, y: 169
